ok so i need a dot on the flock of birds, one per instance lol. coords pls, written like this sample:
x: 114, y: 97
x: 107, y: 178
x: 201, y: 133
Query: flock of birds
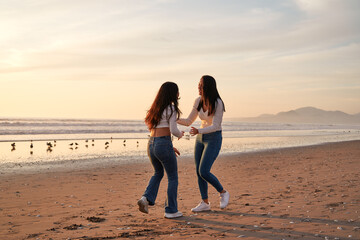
x: 73, y: 145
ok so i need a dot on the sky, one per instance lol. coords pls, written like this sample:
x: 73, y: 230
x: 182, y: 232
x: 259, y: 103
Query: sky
x: 108, y: 58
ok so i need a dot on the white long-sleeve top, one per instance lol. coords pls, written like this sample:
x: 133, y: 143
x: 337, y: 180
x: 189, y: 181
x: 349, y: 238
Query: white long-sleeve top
x: 169, y: 121
x: 210, y: 123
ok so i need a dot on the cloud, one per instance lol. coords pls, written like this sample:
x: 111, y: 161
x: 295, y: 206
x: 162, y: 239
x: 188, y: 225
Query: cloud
x: 255, y: 48
x: 122, y: 37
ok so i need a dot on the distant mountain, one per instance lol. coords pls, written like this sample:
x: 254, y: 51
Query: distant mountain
x: 307, y: 115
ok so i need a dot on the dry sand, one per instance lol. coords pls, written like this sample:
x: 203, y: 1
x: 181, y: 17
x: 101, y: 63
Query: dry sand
x: 295, y: 193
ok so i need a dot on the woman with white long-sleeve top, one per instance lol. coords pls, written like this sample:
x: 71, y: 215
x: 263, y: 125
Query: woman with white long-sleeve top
x: 161, y: 121
x: 210, y: 108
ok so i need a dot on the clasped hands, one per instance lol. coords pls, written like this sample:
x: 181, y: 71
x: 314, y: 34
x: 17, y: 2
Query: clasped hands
x: 193, y: 131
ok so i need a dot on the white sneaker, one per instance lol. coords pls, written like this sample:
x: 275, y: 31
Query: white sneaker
x: 224, y: 199
x: 202, y: 206
x: 173, y: 215
x: 143, y: 205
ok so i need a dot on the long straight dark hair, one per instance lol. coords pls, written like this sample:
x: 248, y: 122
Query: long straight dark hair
x: 210, y: 94
x: 167, y: 95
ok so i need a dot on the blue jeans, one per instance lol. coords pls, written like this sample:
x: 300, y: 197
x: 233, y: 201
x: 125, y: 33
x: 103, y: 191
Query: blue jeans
x: 207, y: 148
x: 162, y: 156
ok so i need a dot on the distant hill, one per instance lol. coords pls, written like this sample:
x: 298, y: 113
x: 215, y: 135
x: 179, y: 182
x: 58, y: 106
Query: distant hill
x: 307, y: 115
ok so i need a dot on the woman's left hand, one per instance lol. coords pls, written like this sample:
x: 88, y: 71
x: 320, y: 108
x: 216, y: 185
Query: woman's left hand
x: 193, y: 131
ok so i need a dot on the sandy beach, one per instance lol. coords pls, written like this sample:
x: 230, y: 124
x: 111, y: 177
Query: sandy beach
x: 294, y: 193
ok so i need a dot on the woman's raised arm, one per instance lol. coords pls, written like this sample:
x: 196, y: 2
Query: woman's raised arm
x: 192, y: 116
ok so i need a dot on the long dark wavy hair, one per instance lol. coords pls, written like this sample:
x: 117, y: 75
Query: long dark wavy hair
x: 210, y: 94
x: 167, y: 95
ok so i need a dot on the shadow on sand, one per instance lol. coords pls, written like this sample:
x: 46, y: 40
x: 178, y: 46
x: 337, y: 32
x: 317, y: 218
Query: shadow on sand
x: 263, y: 232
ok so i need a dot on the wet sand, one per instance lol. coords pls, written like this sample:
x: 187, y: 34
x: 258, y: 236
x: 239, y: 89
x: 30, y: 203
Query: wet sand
x: 295, y: 193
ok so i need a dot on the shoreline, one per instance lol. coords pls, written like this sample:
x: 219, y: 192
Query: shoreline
x: 109, y: 162
x: 310, y: 192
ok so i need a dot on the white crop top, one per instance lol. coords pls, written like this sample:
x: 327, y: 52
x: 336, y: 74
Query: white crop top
x: 210, y: 123
x: 170, y: 122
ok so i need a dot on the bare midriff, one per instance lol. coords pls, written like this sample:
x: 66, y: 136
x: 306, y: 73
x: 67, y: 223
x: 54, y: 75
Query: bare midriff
x: 160, y: 132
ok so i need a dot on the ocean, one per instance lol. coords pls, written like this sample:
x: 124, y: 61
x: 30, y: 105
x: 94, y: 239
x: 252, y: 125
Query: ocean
x: 49, y: 143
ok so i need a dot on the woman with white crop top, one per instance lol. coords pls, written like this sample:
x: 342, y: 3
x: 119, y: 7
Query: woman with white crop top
x: 210, y: 108
x: 161, y: 121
